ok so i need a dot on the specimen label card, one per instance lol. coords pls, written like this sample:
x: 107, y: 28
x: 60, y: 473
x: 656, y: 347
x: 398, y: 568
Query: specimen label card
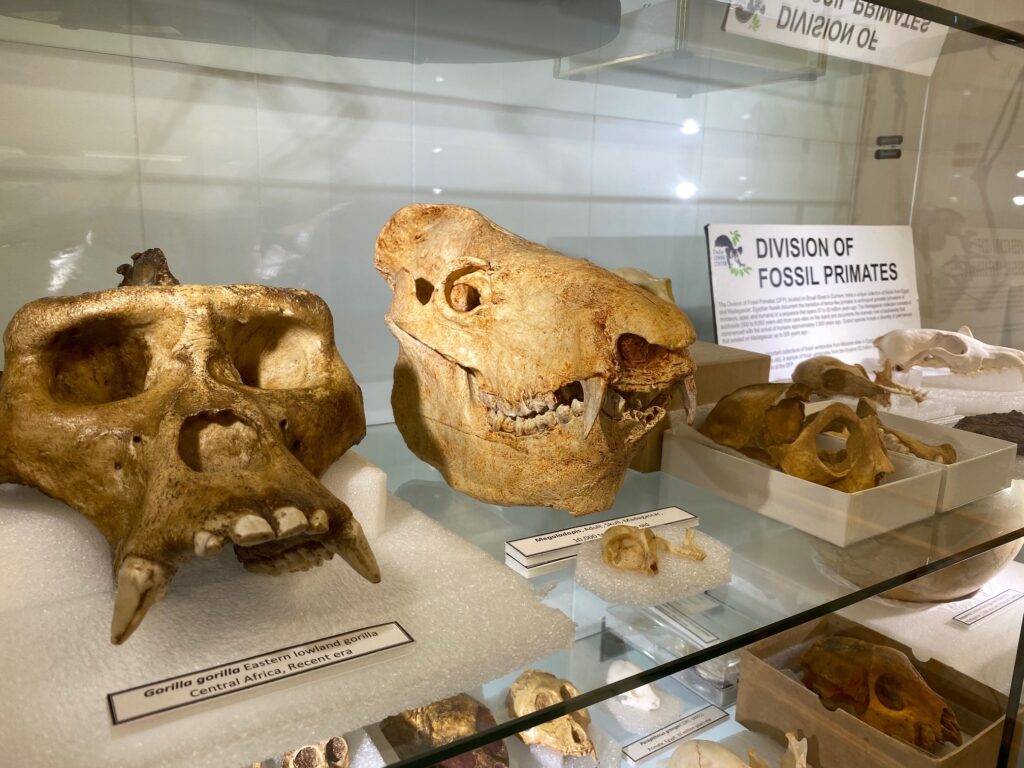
x: 672, y: 733
x: 534, y: 550
x: 986, y: 608
x: 799, y: 291
x: 850, y: 29
x: 235, y: 676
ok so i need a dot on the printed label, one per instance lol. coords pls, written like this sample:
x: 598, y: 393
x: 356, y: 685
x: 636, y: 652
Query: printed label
x: 236, y: 676
x: 544, y: 544
x: 675, y: 732
x: 674, y: 615
x: 986, y: 608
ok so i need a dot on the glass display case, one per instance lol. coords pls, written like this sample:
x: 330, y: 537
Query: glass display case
x: 269, y: 143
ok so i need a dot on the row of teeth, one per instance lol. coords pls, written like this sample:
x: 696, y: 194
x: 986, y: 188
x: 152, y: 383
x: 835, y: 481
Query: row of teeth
x: 301, y: 558
x: 251, y: 530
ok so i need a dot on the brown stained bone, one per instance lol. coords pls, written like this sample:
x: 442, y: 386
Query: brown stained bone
x: 525, y: 376
x: 901, y: 442
x: 417, y: 730
x: 629, y: 548
x: 332, y: 753
x: 880, y: 686
x: 535, y: 689
x: 829, y: 376
x: 180, y: 418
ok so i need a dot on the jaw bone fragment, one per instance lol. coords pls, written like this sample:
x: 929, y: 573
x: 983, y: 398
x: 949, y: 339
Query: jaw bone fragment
x: 959, y: 351
x: 525, y: 376
x: 829, y: 376
x: 180, y: 417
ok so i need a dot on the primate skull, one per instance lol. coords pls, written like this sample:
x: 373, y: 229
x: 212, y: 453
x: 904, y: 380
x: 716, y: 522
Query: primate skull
x: 880, y: 686
x: 535, y: 689
x: 180, y: 417
x: 830, y: 376
x: 525, y: 376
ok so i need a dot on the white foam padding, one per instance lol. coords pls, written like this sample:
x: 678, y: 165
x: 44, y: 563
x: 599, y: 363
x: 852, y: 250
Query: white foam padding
x: 363, y: 486
x: 472, y: 618
x: 677, y: 576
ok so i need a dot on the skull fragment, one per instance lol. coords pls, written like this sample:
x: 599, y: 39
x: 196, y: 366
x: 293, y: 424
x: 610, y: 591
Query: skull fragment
x: 332, y: 753
x: 829, y: 376
x: 880, y: 686
x: 535, y: 689
x: 698, y: 753
x: 525, y: 376
x: 417, y: 730
x: 180, y: 417
x: 636, y: 549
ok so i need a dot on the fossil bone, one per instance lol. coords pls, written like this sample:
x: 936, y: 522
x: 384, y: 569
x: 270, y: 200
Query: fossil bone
x: 332, y: 753
x: 179, y: 417
x: 417, y: 730
x: 698, y: 753
x: 636, y: 549
x: 525, y: 376
x: 659, y: 286
x: 535, y: 689
x: 829, y: 376
x: 880, y: 686
x: 959, y: 351
x: 901, y: 442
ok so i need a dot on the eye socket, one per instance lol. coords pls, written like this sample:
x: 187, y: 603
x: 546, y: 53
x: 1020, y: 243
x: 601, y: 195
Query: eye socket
x: 274, y: 352
x: 99, y: 361
x: 467, y: 289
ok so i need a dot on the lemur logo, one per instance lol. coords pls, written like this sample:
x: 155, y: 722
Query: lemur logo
x: 727, y: 251
x: 749, y: 12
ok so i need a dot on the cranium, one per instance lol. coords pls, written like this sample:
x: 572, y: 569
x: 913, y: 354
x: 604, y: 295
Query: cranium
x: 767, y: 423
x: 636, y: 549
x: 880, y: 686
x: 524, y: 376
x: 959, y: 351
x: 178, y: 417
x: 830, y: 376
x: 417, y: 730
x: 643, y: 697
x: 332, y: 753
x: 535, y: 689
x: 698, y: 753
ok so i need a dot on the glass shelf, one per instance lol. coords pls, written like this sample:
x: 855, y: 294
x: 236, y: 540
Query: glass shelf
x: 780, y: 577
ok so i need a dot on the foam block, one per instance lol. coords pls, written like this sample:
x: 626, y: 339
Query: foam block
x: 677, y: 576
x: 472, y: 618
x: 363, y: 486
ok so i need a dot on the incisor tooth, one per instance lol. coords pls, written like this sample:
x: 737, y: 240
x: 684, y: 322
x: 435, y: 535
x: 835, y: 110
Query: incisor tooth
x: 594, y: 390
x: 250, y: 530
x: 289, y: 521
x: 319, y: 522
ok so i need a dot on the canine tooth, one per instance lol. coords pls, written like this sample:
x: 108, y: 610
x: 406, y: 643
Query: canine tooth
x: 289, y: 521
x: 564, y: 414
x: 140, y: 583
x: 689, y: 387
x: 350, y: 544
x: 594, y: 390
x: 207, y: 544
x: 576, y: 408
x: 249, y: 530
x: 319, y: 522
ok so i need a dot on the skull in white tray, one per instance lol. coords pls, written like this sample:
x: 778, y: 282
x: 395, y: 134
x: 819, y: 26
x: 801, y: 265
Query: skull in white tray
x: 829, y: 376
x: 181, y: 417
x: 958, y: 351
x: 525, y: 376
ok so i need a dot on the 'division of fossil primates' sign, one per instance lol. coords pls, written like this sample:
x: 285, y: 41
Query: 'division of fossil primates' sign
x: 849, y: 29
x: 798, y: 291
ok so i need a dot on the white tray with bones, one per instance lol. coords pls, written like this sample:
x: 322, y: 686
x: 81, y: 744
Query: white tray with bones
x: 905, y: 496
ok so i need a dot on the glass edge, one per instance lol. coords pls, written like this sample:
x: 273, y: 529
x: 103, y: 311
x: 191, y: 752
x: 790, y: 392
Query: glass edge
x: 955, y: 20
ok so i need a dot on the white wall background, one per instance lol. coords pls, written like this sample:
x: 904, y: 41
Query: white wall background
x: 254, y: 165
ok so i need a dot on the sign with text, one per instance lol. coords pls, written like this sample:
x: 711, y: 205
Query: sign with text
x: 235, y: 676
x: 849, y: 29
x: 795, y: 292
x: 987, y: 608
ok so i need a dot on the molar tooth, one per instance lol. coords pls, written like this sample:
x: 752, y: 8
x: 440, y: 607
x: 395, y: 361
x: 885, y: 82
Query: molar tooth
x: 576, y: 408
x: 564, y: 414
x: 524, y: 409
x: 547, y: 419
x: 520, y: 426
x: 530, y: 426
x: 319, y: 522
x: 594, y: 390
x: 509, y: 425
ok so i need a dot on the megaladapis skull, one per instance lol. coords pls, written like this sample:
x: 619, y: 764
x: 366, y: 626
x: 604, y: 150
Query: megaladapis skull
x: 178, y: 418
x: 525, y: 376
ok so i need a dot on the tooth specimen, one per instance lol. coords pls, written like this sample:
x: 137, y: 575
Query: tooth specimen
x: 180, y: 417
x: 525, y: 376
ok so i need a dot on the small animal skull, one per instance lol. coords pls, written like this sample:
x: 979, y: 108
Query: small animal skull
x: 636, y: 549
x: 959, y: 351
x: 830, y: 376
x: 643, y: 697
x: 535, y: 689
x: 417, y: 730
x: 524, y: 376
x: 179, y: 417
x: 880, y: 686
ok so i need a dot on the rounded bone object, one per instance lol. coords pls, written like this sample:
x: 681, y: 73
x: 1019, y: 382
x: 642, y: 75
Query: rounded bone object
x: 536, y: 689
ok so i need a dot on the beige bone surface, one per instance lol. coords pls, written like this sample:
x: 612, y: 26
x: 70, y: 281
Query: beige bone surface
x: 829, y: 376
x: 957, y: 350
x: 525, y: 376
x: 536, y: 689
x: 180, y: 418
x: 636, y: 549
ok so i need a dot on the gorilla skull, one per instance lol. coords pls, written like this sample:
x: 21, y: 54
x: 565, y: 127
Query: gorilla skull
x: 525, y: 376
x: 178, y: 417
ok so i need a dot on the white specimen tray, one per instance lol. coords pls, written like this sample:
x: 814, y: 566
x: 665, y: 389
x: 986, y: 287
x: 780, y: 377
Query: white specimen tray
x: 905, y: 496
x: 983, y: 464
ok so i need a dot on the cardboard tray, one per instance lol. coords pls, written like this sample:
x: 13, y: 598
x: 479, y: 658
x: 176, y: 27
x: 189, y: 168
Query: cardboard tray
x: 905, y: 496
x: 772, y: 701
